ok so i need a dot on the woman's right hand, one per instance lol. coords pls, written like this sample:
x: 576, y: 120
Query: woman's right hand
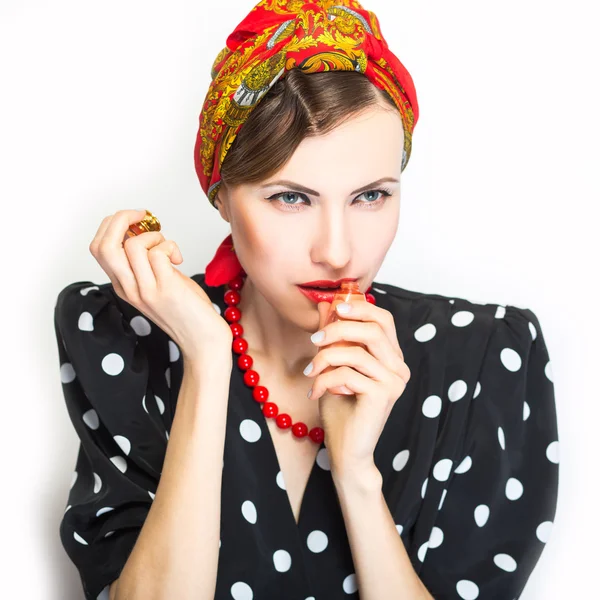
x: 142, y: 273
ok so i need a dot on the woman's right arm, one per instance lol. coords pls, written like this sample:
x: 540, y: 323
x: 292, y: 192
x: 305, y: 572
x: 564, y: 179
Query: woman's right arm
x: 177, y: 550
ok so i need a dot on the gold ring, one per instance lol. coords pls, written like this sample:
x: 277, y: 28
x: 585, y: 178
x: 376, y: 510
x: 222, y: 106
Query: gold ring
x: 148, y: 223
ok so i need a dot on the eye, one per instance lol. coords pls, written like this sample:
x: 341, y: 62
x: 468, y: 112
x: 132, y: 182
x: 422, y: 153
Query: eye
x: 282, y: 197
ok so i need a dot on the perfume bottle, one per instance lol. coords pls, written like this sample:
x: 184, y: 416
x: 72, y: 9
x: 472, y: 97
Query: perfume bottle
x: 348, y: 292
x: 148, y: 223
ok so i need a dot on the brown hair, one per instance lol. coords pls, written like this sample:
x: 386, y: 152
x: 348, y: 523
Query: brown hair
x: 298, y: 106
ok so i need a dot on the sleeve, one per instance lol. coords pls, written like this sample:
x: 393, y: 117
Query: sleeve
x: 498, y: 511
x: 121, y: 415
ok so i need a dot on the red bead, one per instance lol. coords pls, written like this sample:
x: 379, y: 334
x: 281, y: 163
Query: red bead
x: 236, y: 283
x: 260, y: 393
x: 299, y: 429
x: 317, y: 435
x: 236, y: 329
x: 251, y: 377
x: 370, y: 298
x: 239, y: 345
x: 270, y: 409
x: 232, y: 298
x: 244, y: 361
x: 284, y: 421
x: 232, y: 314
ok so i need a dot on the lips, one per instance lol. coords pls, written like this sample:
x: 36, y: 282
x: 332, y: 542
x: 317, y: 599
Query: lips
x: 317, y: 295
x: 327, y: 283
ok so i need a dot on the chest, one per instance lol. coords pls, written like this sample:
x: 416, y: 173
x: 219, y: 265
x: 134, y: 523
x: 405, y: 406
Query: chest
x: 296, y: 456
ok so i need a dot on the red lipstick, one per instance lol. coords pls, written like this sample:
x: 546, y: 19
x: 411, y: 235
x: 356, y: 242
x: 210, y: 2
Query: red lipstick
x: 311, y: 289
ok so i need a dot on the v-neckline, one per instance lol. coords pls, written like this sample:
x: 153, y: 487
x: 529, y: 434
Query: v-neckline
x: 274, y: 459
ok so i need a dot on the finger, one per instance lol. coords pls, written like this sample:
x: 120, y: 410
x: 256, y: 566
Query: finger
x: 352, y: 356
x: 370, y: 335
x: 111, y: 253
x: 99, y: 234
x: 366, y: 311
x: 136, y: 249
x: 160, y: 259
x: 360, y: 385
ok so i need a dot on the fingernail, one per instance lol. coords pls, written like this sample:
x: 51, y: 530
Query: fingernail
x: 343, y: 307
x: 315, y: 338
x: 308, y: 368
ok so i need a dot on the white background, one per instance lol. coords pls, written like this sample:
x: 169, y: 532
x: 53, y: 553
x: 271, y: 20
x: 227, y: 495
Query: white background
x: 99, y: 109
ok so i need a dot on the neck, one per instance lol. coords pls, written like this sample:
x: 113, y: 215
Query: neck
x: 272, y: 338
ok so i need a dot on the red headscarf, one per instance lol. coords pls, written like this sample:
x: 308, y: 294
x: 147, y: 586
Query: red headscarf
x: 275, y: 37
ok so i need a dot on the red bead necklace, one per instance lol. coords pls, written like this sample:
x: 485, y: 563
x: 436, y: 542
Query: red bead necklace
x: 260, y: 393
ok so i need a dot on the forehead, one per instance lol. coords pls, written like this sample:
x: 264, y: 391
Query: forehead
x: 362, y: 149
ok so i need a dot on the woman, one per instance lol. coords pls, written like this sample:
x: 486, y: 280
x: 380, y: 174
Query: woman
x: 425, y: 462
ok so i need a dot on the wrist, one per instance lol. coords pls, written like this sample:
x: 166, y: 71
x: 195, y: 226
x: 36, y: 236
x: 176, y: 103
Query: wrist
x: 364, y: 478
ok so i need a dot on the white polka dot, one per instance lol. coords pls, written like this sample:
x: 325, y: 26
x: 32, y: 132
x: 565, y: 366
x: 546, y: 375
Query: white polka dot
x: 174, y: 353
x: 482, y: 514
x: 533, y: 331
x: 510, y: 359
x: 282, y: 561
x: 467, y: 590
x: 464, y: 466
x: 241, y: 591
x: 477, y: 390
x: 514, y: 489
x: 119, y: 462
x: 457, y: 390
x: 249, y: 511
x: 108, y: 534
x: 552, y: 453
x: 140, y: 325
x: 526, y: 411
x: 280, y: 481
x: 462, y: 318
x: 219, y: 543
x: 436, y: 538
x: 500, y: 312
x: 79, y: 539
x: 310, y: 598
x: 400, y: 529
x: 317, y: 541
x: 323, y: 459
x: 501, y: 439
x: 424, y: 487
x: 422, y: 551
x: 425, y: 332
x: 167, y: 436
x: 168, y: 376
x: 400, y: 460
x: 442, y: 499
x: 144, y: 403
x: 151, y: 494
x: 543, y: 531
x: 160, y: 404
x: 67, y: 372
x: 217, y: 308
x: 97, y: 483
x: 104, y: 510
x: 250, y: 430
x: 113, y: 364
x: 85, y: 291
x: 432, y: 407
x: 90, y: 418
x: 505, y: 562
x: 349, y: 584
x: 442, y: 469
x: 381, y: 292
x: 86, y: 321
x: 548, y: 371
x: 123, y: 443
x: 68, y: 507
x: 74, y: 478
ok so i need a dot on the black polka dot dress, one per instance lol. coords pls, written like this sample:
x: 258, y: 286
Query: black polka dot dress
x: 469, y: 455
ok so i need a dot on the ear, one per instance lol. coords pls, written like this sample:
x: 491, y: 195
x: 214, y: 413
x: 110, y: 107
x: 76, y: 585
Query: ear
x: 222, y: 207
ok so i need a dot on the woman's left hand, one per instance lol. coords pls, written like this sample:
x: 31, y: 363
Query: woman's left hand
x: 375, y: 377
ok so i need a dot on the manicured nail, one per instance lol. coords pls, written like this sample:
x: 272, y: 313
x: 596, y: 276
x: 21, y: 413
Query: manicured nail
x: 315, y: 338
x: 308, y: 368
x: 343, y: 308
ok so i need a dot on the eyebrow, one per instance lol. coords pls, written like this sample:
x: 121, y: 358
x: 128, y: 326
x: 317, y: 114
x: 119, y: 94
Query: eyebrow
x: 301, y: 188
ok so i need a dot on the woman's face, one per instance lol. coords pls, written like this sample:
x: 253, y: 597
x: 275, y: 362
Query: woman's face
x: 330, y: 219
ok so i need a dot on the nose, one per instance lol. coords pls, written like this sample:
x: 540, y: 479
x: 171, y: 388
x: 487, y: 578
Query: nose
x: 332, y: 246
